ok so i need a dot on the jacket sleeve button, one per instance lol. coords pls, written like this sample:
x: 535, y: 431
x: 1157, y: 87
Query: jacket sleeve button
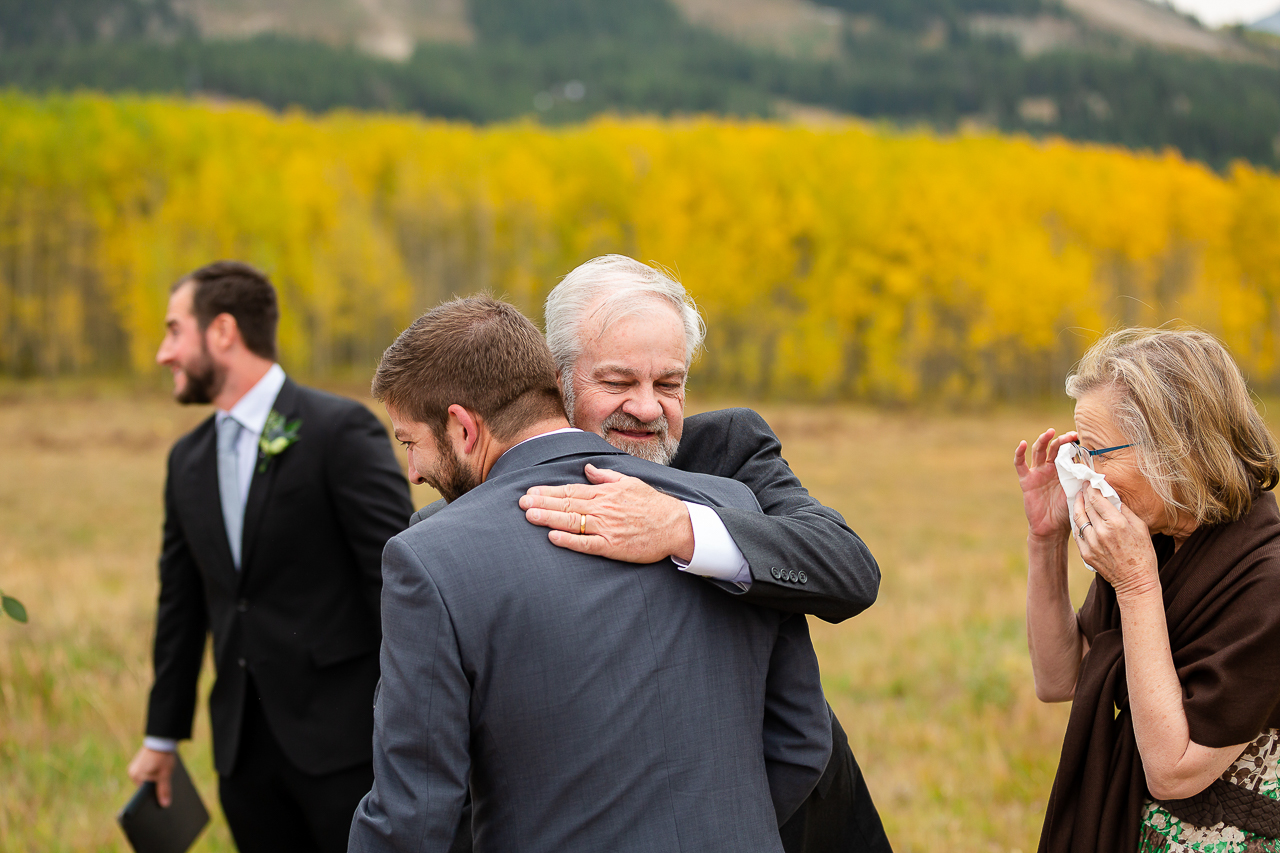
x: 803, y: 578
x: 776, y: 572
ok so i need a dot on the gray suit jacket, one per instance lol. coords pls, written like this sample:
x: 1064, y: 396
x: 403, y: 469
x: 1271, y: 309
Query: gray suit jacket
x: 591, y: 705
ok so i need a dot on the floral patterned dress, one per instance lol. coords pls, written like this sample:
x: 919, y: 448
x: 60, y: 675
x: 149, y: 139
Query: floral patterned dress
x: 1256, y: 769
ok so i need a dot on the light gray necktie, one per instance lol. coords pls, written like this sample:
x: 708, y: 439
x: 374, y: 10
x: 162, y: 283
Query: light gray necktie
x: 229, y: 483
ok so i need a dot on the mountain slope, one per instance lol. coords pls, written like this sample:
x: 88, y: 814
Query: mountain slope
x: 1117, y: 71
x: 388, y: 28
x: 1270, y: 24
x: 794, y: 27
x: 1160, y: 26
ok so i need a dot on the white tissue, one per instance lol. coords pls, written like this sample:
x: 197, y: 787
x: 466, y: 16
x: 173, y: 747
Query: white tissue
x: 1073, y: 475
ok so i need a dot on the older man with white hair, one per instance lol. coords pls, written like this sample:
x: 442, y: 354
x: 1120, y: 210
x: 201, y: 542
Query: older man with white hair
x: 624, y: 335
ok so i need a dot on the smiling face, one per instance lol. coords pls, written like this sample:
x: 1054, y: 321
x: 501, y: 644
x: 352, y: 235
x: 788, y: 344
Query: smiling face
x: 432, y: 462
x: 1097, y: 428
x: 196, y: 378
x: 628, y: 383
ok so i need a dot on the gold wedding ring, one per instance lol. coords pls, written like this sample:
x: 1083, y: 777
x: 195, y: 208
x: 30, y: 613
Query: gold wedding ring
x: 582, y: 525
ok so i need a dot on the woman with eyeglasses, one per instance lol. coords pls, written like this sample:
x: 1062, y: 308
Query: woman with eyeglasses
x: 1173, y: 661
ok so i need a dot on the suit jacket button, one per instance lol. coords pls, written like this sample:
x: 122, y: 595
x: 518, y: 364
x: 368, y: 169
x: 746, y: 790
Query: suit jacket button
x: 242, y: 605
x: 803, y: 578
x: 242, y: 663
x: 792, y: 576
x: 776, y: 572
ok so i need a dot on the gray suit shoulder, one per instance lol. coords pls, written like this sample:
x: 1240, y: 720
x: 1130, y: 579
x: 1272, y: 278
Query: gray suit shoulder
x: 427, y: 511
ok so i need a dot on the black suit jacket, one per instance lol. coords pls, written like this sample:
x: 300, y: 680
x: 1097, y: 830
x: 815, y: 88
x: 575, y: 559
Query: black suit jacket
x: 302, y: 614
x: 803, y: 556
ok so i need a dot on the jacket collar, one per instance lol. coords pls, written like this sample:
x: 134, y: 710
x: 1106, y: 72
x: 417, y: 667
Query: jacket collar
x: 546, y: 448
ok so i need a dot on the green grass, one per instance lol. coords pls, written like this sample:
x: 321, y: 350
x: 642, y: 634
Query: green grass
x: 932, y: 684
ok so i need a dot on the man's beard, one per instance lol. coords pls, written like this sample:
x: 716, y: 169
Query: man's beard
x: 662, y: 451
x: 451, y: 478
x: 204, y: 381
x: 661, y: 448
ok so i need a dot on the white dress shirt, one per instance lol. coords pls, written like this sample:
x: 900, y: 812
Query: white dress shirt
x: 715, y: 554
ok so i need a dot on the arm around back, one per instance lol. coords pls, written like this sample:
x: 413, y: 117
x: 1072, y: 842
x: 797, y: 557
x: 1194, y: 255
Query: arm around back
x: 804, y: 558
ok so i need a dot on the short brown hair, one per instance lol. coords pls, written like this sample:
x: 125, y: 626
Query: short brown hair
x: 478, y: 353
x: 1182, y: 401
x: 244, y: 292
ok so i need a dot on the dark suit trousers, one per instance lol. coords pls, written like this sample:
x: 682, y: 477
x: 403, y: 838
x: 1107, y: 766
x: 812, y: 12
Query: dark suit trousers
x: 839, y: 816
x: 273, y: 807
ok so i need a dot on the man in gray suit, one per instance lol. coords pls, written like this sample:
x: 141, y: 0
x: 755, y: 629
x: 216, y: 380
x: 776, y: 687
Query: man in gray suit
x: 586, y: 707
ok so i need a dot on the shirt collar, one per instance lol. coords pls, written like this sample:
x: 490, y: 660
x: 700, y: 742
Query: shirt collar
x: 252, y: 409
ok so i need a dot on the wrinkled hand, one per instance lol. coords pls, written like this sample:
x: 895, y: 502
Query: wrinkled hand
x: 625, y: 519
x: 1117, y: 544
x: 151, y: 765
x: 1042, y: 496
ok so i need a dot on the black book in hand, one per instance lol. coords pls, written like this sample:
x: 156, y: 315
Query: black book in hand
x: 152, y: 829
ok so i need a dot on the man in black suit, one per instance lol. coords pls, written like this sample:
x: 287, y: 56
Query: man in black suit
x: 277, y: 509
x: 623, y: 335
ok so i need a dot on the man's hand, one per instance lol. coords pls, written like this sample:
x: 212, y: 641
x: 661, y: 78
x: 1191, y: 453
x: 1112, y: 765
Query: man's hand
x: 150, y: 765
x: 618, y: 517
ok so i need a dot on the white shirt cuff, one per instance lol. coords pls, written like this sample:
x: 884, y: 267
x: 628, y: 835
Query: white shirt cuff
x: 715, y: 555
x: 160, y: 744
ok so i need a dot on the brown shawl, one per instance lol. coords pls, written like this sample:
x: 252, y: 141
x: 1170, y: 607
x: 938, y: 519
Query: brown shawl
x: 1222, y: 603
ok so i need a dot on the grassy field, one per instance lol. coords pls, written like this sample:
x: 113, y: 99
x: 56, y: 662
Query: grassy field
x: 932, y: 684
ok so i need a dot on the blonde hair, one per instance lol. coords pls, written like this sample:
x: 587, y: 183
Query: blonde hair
x: 1182, y: 402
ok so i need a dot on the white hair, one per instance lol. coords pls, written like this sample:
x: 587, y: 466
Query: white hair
x: 606, y: 289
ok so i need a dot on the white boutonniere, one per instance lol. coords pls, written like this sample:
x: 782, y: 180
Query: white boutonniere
x: 277, y: 437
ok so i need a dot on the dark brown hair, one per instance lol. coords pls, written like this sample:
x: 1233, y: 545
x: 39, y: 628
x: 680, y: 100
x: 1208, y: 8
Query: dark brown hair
x: 235, y: 288
x: 478, y: 353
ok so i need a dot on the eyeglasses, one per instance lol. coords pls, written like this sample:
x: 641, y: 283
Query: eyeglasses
x: 1084, y: 456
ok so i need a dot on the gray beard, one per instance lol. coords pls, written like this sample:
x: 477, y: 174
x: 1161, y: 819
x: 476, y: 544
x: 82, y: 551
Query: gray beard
x: 662, y: 451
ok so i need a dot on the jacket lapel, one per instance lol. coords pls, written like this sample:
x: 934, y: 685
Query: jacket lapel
x: 260, y: 486
x: 199, y: 491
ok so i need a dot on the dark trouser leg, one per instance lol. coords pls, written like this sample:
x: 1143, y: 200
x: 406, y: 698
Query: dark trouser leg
x: 273, y: 807
x: 329, y: 802
x: 839, y: 816
x: 263, y: 817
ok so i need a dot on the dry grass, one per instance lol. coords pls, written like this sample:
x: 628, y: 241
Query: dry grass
x: 932, y: 683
